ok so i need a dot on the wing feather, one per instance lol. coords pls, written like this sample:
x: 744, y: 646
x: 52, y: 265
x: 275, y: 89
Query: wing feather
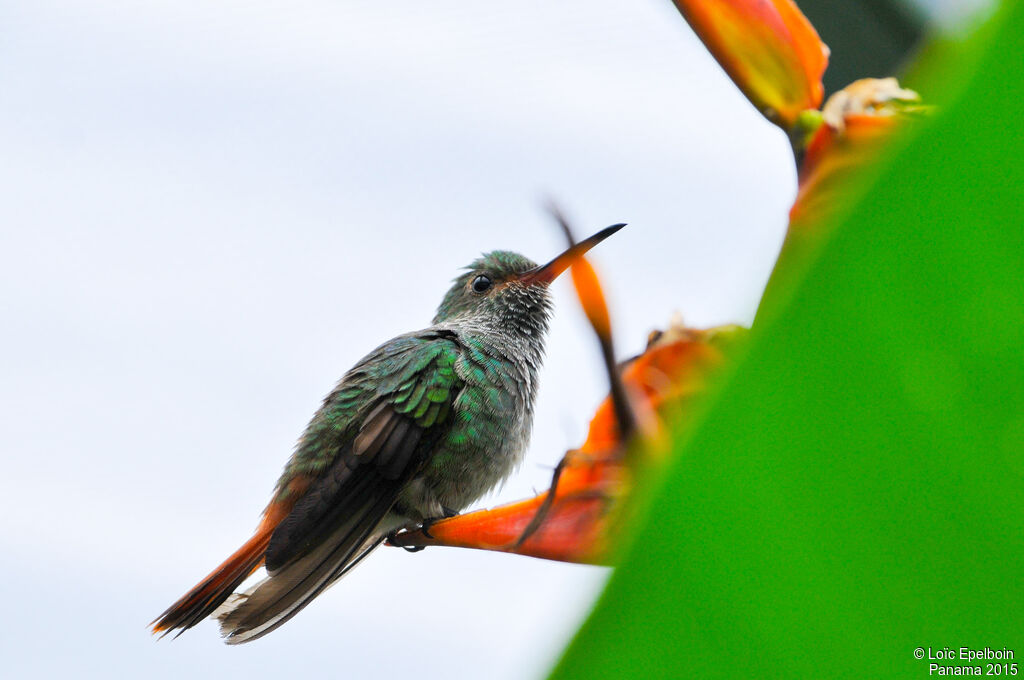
x: 276, y: 599
x: 342, y: 515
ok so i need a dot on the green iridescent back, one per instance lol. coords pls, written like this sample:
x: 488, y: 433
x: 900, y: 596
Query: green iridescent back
x: 468, y: 382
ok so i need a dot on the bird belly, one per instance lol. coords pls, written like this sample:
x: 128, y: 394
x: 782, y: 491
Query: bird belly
x: 487, y: 431
x: 466, y: 465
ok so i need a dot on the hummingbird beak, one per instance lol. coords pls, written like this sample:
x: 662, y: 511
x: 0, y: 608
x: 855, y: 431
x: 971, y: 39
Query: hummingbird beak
x: 549, y: 272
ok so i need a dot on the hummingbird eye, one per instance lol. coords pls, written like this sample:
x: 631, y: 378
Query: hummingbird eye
x: 481, y: 284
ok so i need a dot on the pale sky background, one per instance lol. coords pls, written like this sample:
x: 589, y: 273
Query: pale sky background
x: 210, y: 211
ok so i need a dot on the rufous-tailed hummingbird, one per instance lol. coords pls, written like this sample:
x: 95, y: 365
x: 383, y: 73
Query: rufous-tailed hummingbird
x: 420, y: 428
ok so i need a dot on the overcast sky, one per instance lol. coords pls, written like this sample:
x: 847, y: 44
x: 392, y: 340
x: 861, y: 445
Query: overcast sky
x: 210, y: 211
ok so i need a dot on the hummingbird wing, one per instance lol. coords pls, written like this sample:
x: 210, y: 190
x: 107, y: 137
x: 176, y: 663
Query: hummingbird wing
x: 372, y: 435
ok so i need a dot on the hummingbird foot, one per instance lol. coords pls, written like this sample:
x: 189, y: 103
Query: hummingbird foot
x: 392, y: 539
x: 425, y: 527
x: 427, y: 523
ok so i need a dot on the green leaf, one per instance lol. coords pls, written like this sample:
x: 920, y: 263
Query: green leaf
x: 856, y: 490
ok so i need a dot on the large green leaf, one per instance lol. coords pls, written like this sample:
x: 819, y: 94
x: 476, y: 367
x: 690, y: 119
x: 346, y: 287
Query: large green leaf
x: 856, y: 490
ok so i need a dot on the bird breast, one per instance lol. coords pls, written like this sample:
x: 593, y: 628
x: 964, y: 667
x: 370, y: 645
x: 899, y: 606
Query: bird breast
x: 490, y: 426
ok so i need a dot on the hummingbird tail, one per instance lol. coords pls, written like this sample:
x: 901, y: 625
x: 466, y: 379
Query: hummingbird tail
x: 203, y: 599
x: 286, y: 591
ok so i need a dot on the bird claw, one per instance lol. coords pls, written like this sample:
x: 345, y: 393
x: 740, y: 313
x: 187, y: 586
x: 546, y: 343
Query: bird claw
x: 425, y: 527
x: 427, y: 523
x: 392, y: 538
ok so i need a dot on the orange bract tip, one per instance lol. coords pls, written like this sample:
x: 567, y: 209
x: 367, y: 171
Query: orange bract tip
x: 588, y: 289
x: 769, y: 49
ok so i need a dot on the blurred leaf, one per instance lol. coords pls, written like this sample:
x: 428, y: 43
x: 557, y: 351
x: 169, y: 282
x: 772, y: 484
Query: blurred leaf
x: 855, y: 491
x: 849, y: 133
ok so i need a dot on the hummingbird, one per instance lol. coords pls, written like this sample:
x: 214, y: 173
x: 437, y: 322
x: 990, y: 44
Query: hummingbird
x: 417, y: 430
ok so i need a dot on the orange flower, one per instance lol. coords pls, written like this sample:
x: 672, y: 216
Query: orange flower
x: 575, y: 522
x: 769, y: 49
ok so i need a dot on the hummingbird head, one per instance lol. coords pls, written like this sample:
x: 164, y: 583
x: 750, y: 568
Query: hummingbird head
x: 509, y: 289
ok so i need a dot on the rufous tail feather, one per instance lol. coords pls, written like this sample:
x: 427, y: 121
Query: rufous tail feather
x: 199, y: 602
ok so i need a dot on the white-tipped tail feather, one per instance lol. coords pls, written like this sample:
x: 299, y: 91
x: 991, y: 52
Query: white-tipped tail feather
x: 282, y: 594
